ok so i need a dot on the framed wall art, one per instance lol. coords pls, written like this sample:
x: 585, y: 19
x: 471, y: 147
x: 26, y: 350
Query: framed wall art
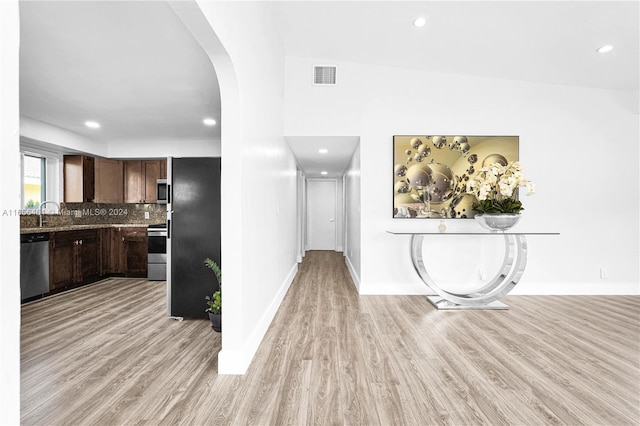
x: 430, y: 173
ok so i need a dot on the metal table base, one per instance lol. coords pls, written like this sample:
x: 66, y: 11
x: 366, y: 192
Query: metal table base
x: 445, y: 305
x: 513, y: 264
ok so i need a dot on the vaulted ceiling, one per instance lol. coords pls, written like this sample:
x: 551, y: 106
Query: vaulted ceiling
x: 540, y: 41
x: 133, y: 67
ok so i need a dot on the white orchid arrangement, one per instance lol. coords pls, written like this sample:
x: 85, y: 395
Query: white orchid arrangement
x: 495, y: 188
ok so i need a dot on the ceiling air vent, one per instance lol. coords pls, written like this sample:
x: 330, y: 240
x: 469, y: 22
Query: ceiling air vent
x: 324, y: 75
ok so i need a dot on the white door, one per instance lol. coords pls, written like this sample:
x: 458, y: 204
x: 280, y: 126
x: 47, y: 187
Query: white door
x: 321, y: 214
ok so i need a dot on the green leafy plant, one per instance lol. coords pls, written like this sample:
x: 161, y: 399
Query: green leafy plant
x: 31, y: 204
x: 214, y: 303
x: 215, y: 268
x: 495, y: 188
x: 508, y: 205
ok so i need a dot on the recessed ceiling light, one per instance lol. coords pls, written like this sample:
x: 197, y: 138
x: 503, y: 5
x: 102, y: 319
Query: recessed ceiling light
x: 324, y: 173
x: 323, y: 150
x: 419, y: 22
x: 605, y: 49
x: 209, y: 122
x: 92, y: 124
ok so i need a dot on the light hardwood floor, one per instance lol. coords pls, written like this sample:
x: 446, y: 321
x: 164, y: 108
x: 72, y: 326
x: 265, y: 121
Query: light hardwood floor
x: 107, y: 355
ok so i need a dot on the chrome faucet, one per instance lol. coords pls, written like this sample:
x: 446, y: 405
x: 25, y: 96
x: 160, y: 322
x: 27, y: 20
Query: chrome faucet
x: 41, y: 222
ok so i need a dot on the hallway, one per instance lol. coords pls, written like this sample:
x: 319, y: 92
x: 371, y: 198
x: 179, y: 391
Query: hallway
x: 105, y: 354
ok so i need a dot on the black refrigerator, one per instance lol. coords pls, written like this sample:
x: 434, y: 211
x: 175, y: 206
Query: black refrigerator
x: 193, y: 233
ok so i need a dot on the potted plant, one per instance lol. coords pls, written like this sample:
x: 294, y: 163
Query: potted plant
x: 214, y: 303
x: 495, y: 186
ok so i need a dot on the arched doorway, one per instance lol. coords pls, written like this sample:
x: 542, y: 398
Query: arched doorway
x: 195, y: 21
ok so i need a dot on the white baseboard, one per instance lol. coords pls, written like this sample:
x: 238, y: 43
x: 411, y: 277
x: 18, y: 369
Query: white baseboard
x: 352, y: 272
x: 237, y: 362
x: 575, y: 289
x: 522, y: 289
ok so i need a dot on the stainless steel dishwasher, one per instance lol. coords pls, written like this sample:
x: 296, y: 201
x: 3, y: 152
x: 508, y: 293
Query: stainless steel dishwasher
x: 34, y: 264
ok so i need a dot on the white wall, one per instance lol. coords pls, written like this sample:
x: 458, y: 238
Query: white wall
x: 39, y: 131
x: 9, y: 222
x: 259, y: 235
x: 579, y: 145
x: 339, y: 215
x: 301, y: 215
x: 50, y: 136
x: 353, y: 217
x: 164, y: 148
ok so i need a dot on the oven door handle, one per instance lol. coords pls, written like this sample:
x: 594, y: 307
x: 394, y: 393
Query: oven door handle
x: 157, y: 233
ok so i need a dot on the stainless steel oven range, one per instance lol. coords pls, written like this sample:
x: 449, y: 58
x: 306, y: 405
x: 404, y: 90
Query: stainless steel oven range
x: 157, y: 253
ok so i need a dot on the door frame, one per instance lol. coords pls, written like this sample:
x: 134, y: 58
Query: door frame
x: 301, y: 214
x: 335, y: 211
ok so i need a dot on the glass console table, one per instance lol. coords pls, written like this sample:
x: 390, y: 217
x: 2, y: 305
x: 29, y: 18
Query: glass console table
x: 486, y: 297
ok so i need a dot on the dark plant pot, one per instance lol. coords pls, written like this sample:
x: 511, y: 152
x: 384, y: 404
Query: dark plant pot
x: 216, y: 322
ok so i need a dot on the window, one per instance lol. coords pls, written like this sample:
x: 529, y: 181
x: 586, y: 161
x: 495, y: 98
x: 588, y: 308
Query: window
x: 41, y: 174
x: 34, y: 186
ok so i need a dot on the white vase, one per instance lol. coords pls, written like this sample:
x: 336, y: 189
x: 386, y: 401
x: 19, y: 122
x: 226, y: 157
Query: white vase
x: 497, y: 221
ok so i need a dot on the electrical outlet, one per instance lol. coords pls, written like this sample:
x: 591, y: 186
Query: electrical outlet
x: 146, y: 215
x: 604, y: 274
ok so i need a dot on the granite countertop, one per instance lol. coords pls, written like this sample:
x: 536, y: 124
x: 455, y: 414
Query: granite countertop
x: 81, y: 227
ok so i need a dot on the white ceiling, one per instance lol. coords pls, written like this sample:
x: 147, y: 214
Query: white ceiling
x: 334, y: 161
x: 133, y: 67
x: 539, y: 41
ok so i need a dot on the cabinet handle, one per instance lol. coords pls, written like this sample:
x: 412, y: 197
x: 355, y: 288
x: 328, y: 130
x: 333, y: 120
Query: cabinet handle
x: 75, y: 242
x: 80, y: 242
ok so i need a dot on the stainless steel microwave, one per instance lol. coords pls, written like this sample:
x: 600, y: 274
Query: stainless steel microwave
x: 162, y: 191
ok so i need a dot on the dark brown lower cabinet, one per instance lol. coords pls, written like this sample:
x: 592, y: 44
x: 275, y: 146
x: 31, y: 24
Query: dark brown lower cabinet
x: 124, y: 252
x: 134, y: 241
x: 111, y: 252
x: 83, y: 256
x: 62, y: 260
x: 89, y: 256
x: 74, y: 258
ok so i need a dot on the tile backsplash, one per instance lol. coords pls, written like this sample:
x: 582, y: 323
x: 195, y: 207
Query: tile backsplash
x: 97, y: 214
